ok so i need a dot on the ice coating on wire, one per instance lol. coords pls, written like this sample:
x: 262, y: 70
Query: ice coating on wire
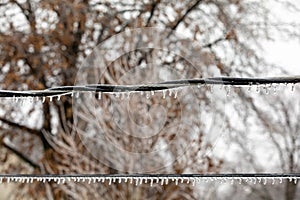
x: 105, y: 88
x: 161, y: 179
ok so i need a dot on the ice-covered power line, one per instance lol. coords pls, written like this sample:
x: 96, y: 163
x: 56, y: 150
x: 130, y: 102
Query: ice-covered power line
x: 106, y: 88
x: 161, y: 179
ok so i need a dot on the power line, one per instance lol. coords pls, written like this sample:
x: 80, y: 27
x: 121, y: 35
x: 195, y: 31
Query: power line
x: 162, y: 179
x: 106, y: 88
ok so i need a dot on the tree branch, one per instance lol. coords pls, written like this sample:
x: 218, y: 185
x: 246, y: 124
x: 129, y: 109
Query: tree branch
x: 21, y: 155
x: 19, y: 126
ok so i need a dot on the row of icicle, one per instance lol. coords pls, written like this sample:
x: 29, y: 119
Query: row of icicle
x: 151, y: 180
x: 122, y: 95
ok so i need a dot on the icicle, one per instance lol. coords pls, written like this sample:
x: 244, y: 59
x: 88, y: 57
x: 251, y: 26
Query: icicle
x: 199, y: 86
x: 141, y: 181
x: 110, y: 180
x: 257, y: 89
x: 77, y: 94
x: 151, y: 182
x: 72, y: 94
x: 99, y: 95
x: 265, y: 181
x: 1, y: 179
x: 142, y: 93
x: 293, y: 87
x: 117, y: 94
x: 128, y: 95
x: 259, y: 180
x: 126, y: 179
x: 295, y: 180
x: 122, y: 95
x: 44, y: 99
x: 181, y: 179
x: 249, y: 88
x: 175, y: 94
x: 37, y: 99
x: 162, y: 181
x: 228, y: 90
x: 131, y: 180
x: 58, y: 97
x: 212, y: 89
x: 8, y: 179
x: 240, y: 180
x: 254, y: 181
x: 273, y: 182
x: 266, y: 89
x: 194, y: 181
x: 148, y: 95
x: 170, y: 93
x: 152, y: 93
x: 176, y: 181
x: 157, y: 180
x: 136, y: 181
x: 51, y: 98
x: 164, y: 94
x: 275, y: 89
x: 280, y: 180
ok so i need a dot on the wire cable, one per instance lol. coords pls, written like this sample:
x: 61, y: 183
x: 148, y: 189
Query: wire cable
x: 162, y: 179
x: 106, y: 88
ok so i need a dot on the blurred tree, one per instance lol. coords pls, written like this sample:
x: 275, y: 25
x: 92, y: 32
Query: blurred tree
x: 44, y: 43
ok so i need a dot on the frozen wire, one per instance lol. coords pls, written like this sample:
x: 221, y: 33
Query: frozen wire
x: 162, y: 179
x: 105, y: 88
